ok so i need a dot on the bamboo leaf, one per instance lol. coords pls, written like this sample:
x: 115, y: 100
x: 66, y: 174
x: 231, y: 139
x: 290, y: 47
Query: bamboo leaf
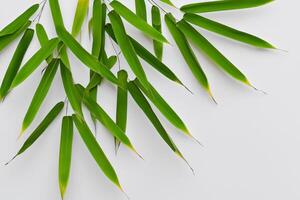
x: 137, y: 22
x: 70, y: 89
x: 43, y: 38
x: 98, y: 24
x: 187, y: 52
x: 6, y: 40
x: 89, y: 60
x: 168, y: 2
x: 54, y: 112
x: 163, y: 107
x: 140, y: 9
x: 80, y: 14
x: 96, y: 151
x: 142, y: 102
x: 222, y: 5
x: 40, y: 94
x: 127, y: 48
x: 56, y: 14
x: 213, y: 53
x: 122, y: 104
x: 227, y: 31
x: 105, y: 119
x: 143, y: 53
x: 32, y: 64
x: 19, y: 22
x: 65, y: 153
x: 156, y: 23
x: 15, y: 62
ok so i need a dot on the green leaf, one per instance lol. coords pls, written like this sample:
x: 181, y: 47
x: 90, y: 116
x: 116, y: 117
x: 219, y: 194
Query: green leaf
x: 105, y: 119
x: 98, y: 24
x: 56, y: 14
x: 156, y: 23
x: 65, y: 153
x: 6, y: 40
x: 213, y: 53
x: 187, y: 52
x: 122, y: 104
x: 43, y: 38
x: 127, y: 48
x: 54, y: 112
x: 222, y: 5
x: 80, y: 14
x: 96, y: 78
x: 96, y: 151
x: 137, y: 22
x: 227, y: 31
x: 15, y: 62
x: 19, y: 22
x: 143, y: 53
x: 142, y: 102
x: 140, y: 9
x: 89, y: 60
x: 163, y: 107
x: 40, y: 94
x: 32, y: 64
x: 70, y: 89
x: 168, y: 2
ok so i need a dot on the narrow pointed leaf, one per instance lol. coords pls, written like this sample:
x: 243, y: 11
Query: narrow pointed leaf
x: 19, y: 22
x: 164, y: 107
x: 142, y: 102
x: 213, y: 53
x: 222, y: 5
x: 6, y: 40
x: 80, y: 14
x: 54, y: 112
x: 227, y: 31
x: 127, y: 48
x: 89, y: 60
x: 140, y: 9
x: 136, y: 21
x: 56, y: 14
x: 187, y: 52
x: 143, y: 53
x: 15, y: 62
x: 70, y: 89
x: 105, y: 119
x: 32, y: 64
x: 156, y: 23
x: 40, y: 93
x: 43, y: 38
x: 96, y: 151
x: 65, y: 153
x: 98, y: 24
x: 122, y: 103
x: 168, y: 2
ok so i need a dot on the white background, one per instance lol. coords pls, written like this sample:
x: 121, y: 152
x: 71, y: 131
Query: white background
x: 251, y: 141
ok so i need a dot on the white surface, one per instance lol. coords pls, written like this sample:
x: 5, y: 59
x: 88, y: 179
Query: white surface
x: 251, y: 141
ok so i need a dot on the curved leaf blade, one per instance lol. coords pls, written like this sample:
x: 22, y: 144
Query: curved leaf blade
x: 96, y: 151
x: 80, y: 15
x: 156, y: 23
x: 15, y: 62
x: 222, y: 5
x: 32, y: 64
x: 140, y: 9
x: 227, y: 31
x: 213, y: 53
x: 137, y: 22
x: 19, y: 22
x: 50, y: 117
x: 40, y: 94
